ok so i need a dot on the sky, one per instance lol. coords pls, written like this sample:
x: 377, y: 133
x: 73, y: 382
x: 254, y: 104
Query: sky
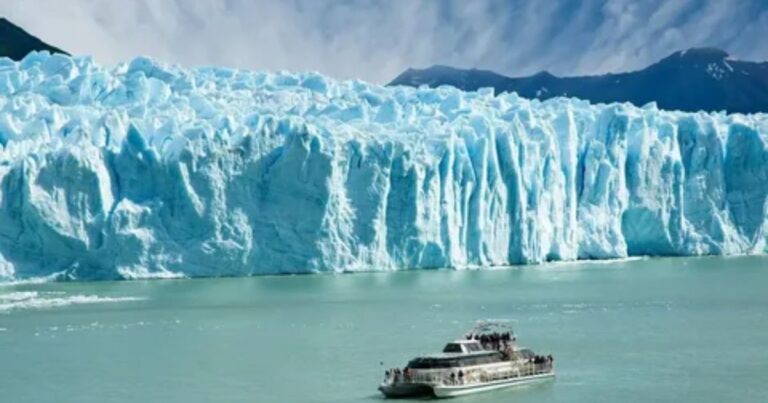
x: 375, y: 40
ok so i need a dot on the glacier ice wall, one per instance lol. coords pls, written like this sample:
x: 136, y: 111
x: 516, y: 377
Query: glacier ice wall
x: 149, y: 170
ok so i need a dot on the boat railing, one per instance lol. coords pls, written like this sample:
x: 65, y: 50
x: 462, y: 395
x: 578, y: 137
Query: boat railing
x: 483, y: 375
x: 472, y: 376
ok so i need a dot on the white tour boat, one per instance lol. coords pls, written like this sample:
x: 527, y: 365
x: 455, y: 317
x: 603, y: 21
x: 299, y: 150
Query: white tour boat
x: 488, y: 358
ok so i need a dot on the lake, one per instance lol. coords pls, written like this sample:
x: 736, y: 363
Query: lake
x: 661, y: 330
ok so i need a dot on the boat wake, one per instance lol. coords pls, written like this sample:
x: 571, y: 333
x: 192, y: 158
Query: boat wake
x: 22, y: 300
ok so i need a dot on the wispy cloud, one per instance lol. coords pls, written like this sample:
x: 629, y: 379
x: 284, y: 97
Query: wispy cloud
x: 376, y: 39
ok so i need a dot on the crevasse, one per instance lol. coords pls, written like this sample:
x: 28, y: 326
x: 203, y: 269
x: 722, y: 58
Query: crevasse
x: 149, y: 170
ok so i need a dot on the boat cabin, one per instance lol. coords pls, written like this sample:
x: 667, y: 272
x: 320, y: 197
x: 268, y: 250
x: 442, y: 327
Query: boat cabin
x: 463, y: 346
x: 453, y: 360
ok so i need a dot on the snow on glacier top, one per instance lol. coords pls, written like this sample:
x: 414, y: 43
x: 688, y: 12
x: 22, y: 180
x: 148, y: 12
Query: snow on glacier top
x: 56, y: 100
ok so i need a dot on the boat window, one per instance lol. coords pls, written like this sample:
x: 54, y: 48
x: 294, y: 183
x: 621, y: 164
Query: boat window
x: 466, y: 361
x: 480, y: 359
x: 471, y: 347
x: 472, y: 361
x: 431, y: 363
x: 452, y: 348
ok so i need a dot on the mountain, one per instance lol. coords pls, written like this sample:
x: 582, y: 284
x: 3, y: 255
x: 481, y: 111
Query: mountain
x: 16, y: 43
x: 692, y: 80
x: 153, y: 170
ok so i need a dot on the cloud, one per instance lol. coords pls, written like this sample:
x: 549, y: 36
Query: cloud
x: 377, y: 39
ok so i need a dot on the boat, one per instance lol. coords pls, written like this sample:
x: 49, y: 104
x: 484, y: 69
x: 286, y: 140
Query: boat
x: 487, y: 358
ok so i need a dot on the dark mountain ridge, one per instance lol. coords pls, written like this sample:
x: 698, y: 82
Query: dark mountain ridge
x: 16, y: 43
x: 692, y: 80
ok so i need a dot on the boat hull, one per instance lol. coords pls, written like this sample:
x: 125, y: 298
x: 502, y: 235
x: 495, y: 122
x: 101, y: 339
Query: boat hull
x: 403, y: 390
x: 461, y: 390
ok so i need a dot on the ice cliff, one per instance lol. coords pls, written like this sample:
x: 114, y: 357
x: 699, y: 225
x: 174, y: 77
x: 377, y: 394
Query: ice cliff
x: 149, y: 170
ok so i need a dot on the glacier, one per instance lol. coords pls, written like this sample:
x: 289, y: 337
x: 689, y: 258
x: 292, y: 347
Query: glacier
x: 151, y: 170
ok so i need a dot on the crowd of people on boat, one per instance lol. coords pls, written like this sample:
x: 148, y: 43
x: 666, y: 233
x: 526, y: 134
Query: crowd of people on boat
x: 495, y: 340
x: 456, y: 378
x: 541, y: 364
x: 398, y: 375
x: 541, y: 359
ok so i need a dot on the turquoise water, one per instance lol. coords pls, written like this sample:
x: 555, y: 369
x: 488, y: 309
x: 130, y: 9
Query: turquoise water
x: 661, y: 330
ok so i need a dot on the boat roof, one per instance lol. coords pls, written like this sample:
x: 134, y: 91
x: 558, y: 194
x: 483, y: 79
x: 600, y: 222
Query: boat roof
x: 465, y: 341
x: 456, y: 355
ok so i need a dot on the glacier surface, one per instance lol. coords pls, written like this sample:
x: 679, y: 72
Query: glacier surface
x: 149, y: 170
